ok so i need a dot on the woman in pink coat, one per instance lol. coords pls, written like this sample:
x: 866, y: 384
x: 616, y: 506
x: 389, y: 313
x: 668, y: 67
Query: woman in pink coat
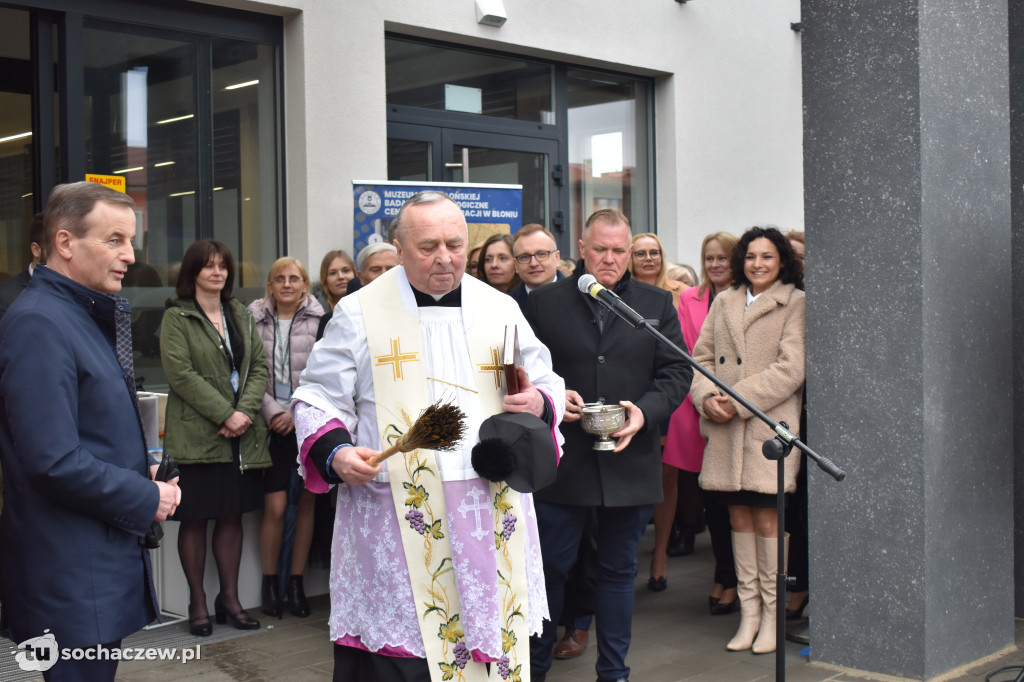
x: 684, y: 446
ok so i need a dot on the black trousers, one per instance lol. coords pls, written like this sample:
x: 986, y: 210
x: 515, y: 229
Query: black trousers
x: 358, y: 665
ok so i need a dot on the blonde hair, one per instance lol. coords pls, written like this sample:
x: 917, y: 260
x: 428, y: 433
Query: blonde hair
x: 678, y: 271
x: 661, y: 281
x: 728, y: 242
x: 279, y: 265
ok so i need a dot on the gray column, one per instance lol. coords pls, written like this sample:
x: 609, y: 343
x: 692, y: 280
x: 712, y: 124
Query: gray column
x: 909, y: 331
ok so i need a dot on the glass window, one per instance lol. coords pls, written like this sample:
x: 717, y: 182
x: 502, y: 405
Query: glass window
x: 450, y: 79
x: 609, y: 140
x: 16, y: 161
x: 409, y: 160
x: 140, y: 109
x: 191, y: 123
x: 245, y: 196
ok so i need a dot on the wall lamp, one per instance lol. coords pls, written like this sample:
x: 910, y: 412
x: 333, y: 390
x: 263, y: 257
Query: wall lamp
x: 490, y: 12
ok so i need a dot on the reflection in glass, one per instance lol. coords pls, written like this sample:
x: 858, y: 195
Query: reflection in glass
x: 609, y: 143
x: 149, y: 121
x: 245, y: 196
x: 501, y: 166
x: 515, y: 88
x: 16, y: 162
x: 409, y: 160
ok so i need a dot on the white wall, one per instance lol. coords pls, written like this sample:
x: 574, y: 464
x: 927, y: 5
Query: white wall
x: 728, y: 110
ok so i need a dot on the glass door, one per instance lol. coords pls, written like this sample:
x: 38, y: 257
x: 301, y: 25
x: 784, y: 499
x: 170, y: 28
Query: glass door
x: 450, y: 155
x: 16, y: 141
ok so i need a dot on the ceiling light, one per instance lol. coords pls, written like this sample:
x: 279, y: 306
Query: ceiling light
x: 128, y: 170
x: 176, y: 118
x: 15, y: 137
x: 181, y: 194
x: 242, y: 85
x: 163, y: 163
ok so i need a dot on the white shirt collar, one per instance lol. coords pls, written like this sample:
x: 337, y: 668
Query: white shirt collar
x: 529, y: 288
x: 750, y: 297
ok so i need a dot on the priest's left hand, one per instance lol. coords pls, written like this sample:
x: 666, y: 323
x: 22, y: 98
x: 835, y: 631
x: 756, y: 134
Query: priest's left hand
x: 529, y: 399
x: 634, y: 422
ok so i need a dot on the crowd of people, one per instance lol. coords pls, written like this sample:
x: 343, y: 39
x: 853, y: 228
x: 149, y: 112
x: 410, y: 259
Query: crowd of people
x: 295, y: 395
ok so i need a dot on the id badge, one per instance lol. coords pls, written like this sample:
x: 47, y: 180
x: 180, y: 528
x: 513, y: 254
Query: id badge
x: 234, y: 380
x: 282, y: 390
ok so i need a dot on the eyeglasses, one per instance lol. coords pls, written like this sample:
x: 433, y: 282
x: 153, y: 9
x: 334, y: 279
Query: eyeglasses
x: 541, y: 256
x: 293, y: 280
x: 653, y: 254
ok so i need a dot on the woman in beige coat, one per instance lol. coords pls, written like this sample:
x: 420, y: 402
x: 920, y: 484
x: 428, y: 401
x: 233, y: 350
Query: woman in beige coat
x: 752, y: 339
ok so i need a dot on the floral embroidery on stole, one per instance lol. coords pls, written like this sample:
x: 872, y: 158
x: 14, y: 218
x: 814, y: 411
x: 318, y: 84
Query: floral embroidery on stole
x: 400, y: 387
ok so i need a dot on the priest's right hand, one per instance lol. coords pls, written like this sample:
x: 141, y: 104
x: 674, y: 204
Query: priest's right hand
x: 351, y: 465
x: 573, y: 405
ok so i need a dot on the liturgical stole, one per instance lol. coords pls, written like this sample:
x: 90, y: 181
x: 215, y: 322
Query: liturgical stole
x: 400, y: 384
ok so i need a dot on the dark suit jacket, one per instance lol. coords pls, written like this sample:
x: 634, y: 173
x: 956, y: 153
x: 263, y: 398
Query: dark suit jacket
x: 10, y: 289
x: 78, y: 496
x: 521, y: 294
x: 618, y: 363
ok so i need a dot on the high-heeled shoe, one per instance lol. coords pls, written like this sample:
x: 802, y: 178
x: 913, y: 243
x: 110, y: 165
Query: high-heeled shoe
x: 271, y: 593
x: 200, y: 626
x: 797, y: 613
x: 722, y: 608
x: 240, y: 620
x: 296, y: 597
x: 657, y: 584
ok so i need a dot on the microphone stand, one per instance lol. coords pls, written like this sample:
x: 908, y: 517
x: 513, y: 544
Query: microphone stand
x: 775, y: 448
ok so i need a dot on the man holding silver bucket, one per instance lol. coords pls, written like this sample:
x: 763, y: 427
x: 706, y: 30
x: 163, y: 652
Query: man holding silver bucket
x: 604, y: 360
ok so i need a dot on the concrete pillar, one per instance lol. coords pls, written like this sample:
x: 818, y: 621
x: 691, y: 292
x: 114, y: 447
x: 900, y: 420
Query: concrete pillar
x: 909, y: 331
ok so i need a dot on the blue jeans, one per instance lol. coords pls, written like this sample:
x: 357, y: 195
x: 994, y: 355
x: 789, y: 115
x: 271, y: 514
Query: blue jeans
x: 618, y: 531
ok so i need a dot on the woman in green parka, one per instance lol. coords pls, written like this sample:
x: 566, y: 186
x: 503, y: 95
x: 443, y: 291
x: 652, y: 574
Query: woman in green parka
x: 217, y: 372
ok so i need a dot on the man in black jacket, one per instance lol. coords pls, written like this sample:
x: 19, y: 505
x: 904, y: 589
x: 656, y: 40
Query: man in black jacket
x: 10, y: 289
x: 604, y: 359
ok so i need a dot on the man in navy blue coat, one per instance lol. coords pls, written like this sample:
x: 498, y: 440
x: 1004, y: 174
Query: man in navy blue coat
x: 79, y: 497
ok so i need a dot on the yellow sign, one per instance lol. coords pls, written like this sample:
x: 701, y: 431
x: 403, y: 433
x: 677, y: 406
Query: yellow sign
x: 111, y: 181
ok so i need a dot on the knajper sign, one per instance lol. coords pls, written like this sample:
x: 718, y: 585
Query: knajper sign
x: 111, y: 181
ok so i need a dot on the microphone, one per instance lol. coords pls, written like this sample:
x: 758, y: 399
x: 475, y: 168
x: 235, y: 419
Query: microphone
x: 589, y: 285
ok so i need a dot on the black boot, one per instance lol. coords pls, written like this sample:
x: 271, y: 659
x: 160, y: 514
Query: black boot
x: 682, y: 544
x: 271, y: 596
x: 296, y: 597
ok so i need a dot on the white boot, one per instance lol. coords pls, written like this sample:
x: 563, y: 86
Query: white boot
x: 744, y: 551
x: 767, y: 567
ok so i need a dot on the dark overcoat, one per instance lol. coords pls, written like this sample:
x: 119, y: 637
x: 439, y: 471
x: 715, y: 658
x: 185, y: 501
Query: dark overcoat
x: 78, y: 497
x: 612, y: 363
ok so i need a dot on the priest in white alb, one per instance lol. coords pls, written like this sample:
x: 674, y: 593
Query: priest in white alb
x: 436, y: 572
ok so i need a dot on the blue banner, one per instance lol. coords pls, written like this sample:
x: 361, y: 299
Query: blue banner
x: 488, y: 208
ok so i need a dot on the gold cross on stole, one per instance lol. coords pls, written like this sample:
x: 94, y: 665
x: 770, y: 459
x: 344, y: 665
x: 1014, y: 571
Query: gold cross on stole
x: 495, y: 366
x: 396, y: 359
